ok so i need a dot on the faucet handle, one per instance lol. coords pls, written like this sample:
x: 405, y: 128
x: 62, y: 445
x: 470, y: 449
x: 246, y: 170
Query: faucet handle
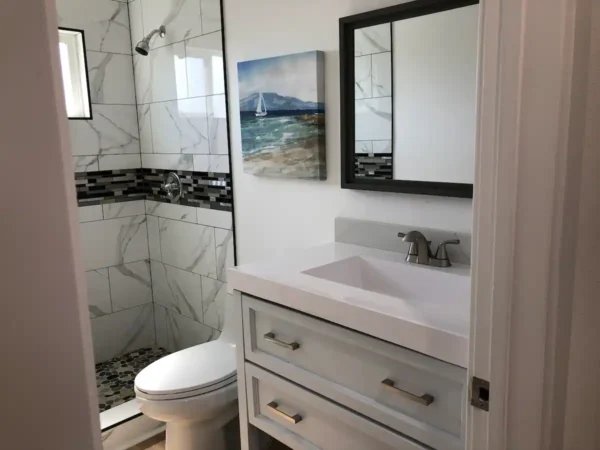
x: 442, y: 254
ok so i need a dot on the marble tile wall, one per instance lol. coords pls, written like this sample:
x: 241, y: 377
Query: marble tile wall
x: 182, y: 117
x: 373, y: 100
x: 156, y: 272
x: 181, y: 86
x: 114, y: 240
x: 111, y: 139
x: 190, y: 252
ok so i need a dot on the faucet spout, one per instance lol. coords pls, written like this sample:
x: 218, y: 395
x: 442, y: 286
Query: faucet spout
x: 423, y: 250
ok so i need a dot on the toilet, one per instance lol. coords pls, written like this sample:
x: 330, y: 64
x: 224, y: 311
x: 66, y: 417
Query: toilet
x: 194, y: 391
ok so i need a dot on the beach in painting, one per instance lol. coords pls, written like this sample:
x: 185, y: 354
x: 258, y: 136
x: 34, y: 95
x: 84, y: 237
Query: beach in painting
x: 282, y: 117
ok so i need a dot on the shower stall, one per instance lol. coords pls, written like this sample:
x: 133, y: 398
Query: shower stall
x: 155, y: 263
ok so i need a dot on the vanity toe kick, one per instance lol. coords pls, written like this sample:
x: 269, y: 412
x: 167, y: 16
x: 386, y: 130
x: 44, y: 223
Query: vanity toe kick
x: 409, y: 394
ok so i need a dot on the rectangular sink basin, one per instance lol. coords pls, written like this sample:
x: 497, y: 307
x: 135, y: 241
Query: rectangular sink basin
x: 397, y: 279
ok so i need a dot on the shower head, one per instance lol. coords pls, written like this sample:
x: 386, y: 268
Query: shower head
x: 143, y: 47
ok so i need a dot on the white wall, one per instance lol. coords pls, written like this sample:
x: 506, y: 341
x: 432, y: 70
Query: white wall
x: 274, y: 215
x: 435, y: 80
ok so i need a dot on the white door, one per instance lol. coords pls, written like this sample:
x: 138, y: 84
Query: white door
x: 534, y: 58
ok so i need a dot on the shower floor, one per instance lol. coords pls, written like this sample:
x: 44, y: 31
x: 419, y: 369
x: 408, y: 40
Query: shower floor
x: 114, y: 378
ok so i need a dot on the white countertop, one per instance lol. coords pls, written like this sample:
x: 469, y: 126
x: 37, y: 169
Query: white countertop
x: 438, y: 327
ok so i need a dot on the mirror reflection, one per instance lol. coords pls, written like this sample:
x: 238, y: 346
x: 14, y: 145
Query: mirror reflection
x: 415, y: 98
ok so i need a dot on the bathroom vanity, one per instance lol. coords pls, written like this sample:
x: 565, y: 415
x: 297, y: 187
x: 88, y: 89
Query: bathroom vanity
x: 345, y: 346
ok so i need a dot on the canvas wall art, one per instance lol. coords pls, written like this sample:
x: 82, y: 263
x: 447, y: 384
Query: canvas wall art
x: 282, y: 113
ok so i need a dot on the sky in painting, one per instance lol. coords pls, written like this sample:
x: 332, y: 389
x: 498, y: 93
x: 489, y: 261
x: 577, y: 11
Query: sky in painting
x: 291, y: 75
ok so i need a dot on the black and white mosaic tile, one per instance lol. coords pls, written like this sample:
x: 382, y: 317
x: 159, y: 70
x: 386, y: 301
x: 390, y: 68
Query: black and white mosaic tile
x: 374, y: 166
x: 200, y: 189
x: 115, y: 378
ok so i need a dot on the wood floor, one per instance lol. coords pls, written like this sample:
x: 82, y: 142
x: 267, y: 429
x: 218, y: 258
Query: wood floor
x: 158, y: 443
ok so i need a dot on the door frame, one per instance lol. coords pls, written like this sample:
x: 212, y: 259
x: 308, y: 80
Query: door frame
x: 534, y: 57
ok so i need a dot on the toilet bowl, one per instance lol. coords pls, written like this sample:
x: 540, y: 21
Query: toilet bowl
x: 194, y: 391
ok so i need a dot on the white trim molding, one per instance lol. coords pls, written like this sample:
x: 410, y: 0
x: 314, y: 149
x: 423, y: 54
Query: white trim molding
x: 533, y: 60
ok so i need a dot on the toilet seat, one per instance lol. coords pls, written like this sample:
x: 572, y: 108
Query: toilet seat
x: 189, y: 373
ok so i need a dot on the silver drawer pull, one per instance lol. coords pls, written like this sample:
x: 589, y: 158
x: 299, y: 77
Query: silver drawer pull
x: 270, y: 337
x: 292, y: 419
x: 424, y: 399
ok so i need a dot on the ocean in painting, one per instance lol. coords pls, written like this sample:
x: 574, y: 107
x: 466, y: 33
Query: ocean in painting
x: 283, y: 131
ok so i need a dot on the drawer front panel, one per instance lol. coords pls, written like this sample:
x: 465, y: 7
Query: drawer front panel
x: 410, y: 392
x: 303, y: 420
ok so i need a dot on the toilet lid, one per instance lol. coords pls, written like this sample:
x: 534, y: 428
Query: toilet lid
x: 190, y: 370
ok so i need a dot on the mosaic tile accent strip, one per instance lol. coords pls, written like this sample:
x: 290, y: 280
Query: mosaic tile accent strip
x: 115, y: 378
x: 109, y: 186
x: 201, y: 189
x: 376, y: 166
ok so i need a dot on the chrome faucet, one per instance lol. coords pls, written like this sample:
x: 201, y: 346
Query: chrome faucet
x: 420, y: 250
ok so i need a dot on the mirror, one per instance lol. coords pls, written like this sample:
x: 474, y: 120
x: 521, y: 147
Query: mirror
x: 409, y: 101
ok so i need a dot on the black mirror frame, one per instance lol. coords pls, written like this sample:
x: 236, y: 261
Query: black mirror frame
x: 87, y: 78
x: 347, y: 27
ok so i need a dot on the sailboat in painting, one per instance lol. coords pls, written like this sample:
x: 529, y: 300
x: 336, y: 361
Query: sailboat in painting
x: 261, y: 109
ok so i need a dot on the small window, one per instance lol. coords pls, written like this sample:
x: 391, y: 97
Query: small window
x: 74, y: 73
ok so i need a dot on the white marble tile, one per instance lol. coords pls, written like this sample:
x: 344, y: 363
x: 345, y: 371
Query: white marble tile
x: 111, y: 78
x: 211, y: 163
x: 171, y: 211
x: 168, y: 73
x: 217, y: 125
x: 142, y: 67
x: 177, y: 290
x: 204, y: 57
x: 123, y: 209
x: 375, y: 39
x: 136, y: 23
x: 85, y: 164
x: 145, y: 127
x: 215, y: 218
x: 113, y: 242
x: 153, y: 238
x: 382, y: 74
x: 90, y: 213
x: 130, y: 285
x: 374, y: 119
x: 382, y: 146
x: 114, y: 162
x: 362, y: 77
x: 188, y: 246
x: 211, y: 15
x: 168, y: 162
x: 176, y: 332
x: 98, y: 292
x: 363, y: 147
x: 113, y: 130
x: 122, y: 332
x: 214, y: 295
x: 182, y: 18
x: 224, y: 252
x: 180, y: 126
x: 106, y: 23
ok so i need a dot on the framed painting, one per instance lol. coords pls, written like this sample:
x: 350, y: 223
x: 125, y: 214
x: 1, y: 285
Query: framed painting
x: 282, y: 114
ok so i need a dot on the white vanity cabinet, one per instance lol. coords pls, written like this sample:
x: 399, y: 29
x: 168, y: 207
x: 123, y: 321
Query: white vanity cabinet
x: 313, y: 384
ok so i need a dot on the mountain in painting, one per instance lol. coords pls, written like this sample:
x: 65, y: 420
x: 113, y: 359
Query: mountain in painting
x: 276, y: 102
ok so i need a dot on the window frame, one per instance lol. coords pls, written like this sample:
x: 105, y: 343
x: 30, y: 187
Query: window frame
x: 90, y: 116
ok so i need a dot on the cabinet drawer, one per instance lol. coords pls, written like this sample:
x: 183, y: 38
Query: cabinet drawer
x: 417, y: 395
x: 303, y: 420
